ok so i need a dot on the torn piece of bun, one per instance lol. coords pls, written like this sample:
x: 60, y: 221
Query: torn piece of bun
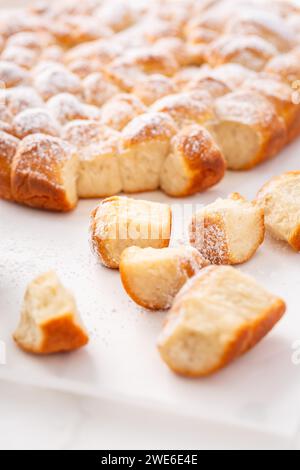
x: 152, y: 277
x: 280, y: 200
x: 44, y: 173
x: 228, y: 231
x: 50, y: 322
x: 218, y: 315
x: 195, y: 163
x: 247, y: 129
x: 120, y: 222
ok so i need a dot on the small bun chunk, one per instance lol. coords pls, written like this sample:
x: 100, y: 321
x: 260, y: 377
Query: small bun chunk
x: 97, y: 148
x: 280, y: 200
x: 252, y: 52
x: 49, y: 322
x: 145, y: 145
x: 8, y: 149
x: 194, y: 164
x: 219, y: 315
x: 248, y: 129
x: 97, y: 89
x: 229, y: 231
x: 44, y: 173
x: 285, y: 66
x: 119, y: 222
x: 152, y: 277
x: 35, y: 121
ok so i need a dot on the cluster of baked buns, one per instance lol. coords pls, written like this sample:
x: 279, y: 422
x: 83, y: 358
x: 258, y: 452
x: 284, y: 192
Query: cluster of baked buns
x: 107, y: 96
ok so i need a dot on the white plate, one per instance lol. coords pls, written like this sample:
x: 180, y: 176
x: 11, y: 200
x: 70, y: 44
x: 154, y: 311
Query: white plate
x: 261, y: 390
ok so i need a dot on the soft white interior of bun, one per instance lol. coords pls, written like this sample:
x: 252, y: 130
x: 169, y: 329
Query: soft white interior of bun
x: 281, y: 202
x: 208, y: 315
x: 99, y: 176
x: 45, y: 299
x: 174, y: 177
x: 70, y: 176
x: 155, y: 276
x: 141, y: 166
x: 239, y: 143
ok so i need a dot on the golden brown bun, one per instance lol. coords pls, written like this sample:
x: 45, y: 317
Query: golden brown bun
x: 186, y: 108
x: 56, y: 79
x: 49, y: 322
x: 286, y: 66
x: 228, y: 231
x: 219, y: 315
x: 279, y: 198
x: 66, y: 107
x: 97, y: 89
x: 153, y: 87
x: 12, y: 75
x: 152, y: 277
x: 8, y: 149
x: 98, y: 152
x: 119, y: 222
x: 248, y: 129
x: 120, y: 110
x: 35, y: 121
x: 252, y: 52
x: 20, y: 98
x: 145, y: 144
x: 195, y: 163
x: 265, y: 25
x: 44, y: 173
x: 280, y: 95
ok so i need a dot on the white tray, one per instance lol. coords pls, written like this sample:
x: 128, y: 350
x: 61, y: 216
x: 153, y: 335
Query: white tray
x: 261, y: 390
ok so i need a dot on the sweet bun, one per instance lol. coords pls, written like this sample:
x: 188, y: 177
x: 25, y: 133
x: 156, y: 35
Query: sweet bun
x: 280, y: 95
x: 285, y: 66
x: 195, y: 163
x: 35, y: 121
x: 228, y: 231
x: 119, y: 222
x: 44, y: 173
x: 12, y: 75
x: 219, y: 315
x: 50, y: 322
x: 280, y: 200
x: 247, y: 129
x: 153, y: 87
x: 66, y: 107
x: 19, y: 98
x: 186, y: 108
x: 145, y: 144
x: 265, y: 25
x: 252, y: 52
x: 8, y: 149
x: 21, y: 56
x: 152, y: 277
x: 120, y: 110
x: 97, y: 148
x: 56, y: 79
x: 97, y: 89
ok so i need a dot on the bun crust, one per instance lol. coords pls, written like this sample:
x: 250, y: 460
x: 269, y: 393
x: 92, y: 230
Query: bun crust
x: 49, y: 322
x: 218, y: 316
x: 229, y: 231
x: 8, y: 149
x: 44, y: 173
